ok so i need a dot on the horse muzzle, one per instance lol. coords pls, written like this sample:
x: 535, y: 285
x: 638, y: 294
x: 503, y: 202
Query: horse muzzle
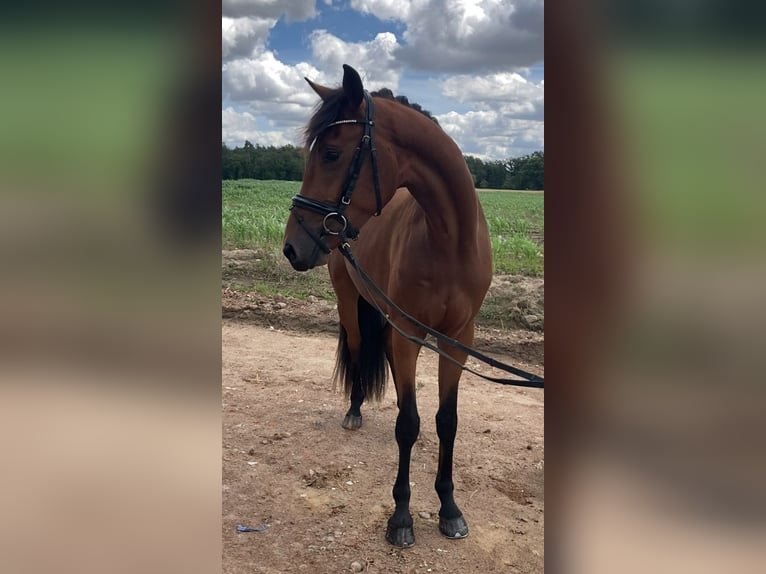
x: 302, y: 256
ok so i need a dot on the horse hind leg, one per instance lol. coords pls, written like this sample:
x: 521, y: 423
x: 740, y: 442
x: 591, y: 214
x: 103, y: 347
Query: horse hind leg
x: 360, y: 363
x: 347, y: 373
x: 366, y: 376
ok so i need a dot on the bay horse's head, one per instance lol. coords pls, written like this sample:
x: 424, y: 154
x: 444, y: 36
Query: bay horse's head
x: 350, y: 174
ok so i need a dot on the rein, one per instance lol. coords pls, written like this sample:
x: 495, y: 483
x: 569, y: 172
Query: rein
x: 335, y: 223
x: 527, y: 379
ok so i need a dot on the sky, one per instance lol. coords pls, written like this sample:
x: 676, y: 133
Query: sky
x: 477, y: 65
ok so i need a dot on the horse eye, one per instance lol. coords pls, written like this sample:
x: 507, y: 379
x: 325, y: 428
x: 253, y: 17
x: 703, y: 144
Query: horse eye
x: 330, y: 155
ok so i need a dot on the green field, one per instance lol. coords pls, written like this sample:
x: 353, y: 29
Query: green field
x: 255, y: 213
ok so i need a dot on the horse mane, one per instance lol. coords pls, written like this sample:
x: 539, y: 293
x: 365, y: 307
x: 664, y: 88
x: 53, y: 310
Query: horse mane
x: 329, y: 109
x: 389, y: 95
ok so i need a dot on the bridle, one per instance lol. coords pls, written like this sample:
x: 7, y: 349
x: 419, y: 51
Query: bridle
x: 335, y: 222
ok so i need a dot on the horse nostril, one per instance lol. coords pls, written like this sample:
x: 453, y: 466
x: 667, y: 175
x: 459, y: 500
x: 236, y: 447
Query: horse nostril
x: 289, y: 252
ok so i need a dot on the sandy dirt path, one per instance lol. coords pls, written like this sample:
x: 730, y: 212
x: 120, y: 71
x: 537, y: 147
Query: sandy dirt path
x: 325, y: 493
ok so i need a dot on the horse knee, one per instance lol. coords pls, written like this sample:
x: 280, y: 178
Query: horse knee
x: 446, y: 424
x: 407, y: 427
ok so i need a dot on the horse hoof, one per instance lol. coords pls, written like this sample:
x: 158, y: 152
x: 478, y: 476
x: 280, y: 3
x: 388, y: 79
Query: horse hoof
x: 352, y: 422
x: 403, y: 537
x: 453, y: 527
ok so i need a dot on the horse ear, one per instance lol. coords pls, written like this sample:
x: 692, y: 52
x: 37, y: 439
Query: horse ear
x: 352, y: 86
x: 321, y: 91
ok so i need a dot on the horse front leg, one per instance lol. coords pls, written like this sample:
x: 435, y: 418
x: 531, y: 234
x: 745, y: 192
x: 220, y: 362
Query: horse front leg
x: 403, y: 359
x: 451, y: 521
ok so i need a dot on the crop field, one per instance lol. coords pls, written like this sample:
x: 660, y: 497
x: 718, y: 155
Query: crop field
x: 255, y: 213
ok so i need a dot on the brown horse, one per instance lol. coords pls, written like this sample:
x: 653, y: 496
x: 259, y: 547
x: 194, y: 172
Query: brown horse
x: 429, y: 250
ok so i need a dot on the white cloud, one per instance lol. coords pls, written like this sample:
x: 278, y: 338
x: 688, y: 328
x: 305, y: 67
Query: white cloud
x: 487, y: 42
x: 292, y: 9
x: 244, y: 37
x: 267, y: 79
x: 265, y: 87
x: 493, y: 133
x: 374, y: 60
x: 510, y: 93
x: 263, y: 77
x: 237, y: 127
x: 506, y: 119
x: 465, y: 35
x: 390, y: 9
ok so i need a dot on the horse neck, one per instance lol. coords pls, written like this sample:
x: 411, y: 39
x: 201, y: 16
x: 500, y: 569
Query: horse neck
x: 433, y: 169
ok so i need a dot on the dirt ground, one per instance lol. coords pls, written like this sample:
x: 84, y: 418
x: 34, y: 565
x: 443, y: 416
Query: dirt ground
x: 322, y: 495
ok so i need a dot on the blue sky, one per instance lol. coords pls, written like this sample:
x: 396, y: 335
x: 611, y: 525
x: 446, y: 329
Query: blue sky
x: 477, y: 65
x: 290, y: 39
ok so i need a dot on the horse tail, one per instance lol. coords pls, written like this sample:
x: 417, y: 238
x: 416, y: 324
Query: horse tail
x: 371, y: 370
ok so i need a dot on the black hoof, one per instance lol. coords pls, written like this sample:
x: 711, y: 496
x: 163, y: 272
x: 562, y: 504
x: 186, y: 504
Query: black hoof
x: 352, y: 422
x: 453, y: 527
x: 403, y: 537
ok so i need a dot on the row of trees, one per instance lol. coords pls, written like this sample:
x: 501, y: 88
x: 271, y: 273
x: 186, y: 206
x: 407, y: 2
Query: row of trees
x: 259, y: 162
x: 286, y: 163
x: 526, y: 172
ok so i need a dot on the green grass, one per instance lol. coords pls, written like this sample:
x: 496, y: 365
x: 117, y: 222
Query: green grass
x: 516, y: 229
x: 255, y: 213
x: 254, y: 218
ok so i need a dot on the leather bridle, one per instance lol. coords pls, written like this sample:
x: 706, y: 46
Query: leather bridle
x: 335, y: 222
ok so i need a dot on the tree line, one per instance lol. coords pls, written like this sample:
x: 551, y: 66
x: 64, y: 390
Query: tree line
x: 287, y: 162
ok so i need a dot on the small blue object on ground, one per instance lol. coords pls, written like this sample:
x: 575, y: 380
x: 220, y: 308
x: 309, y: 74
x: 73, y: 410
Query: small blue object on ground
x: 260, y: 528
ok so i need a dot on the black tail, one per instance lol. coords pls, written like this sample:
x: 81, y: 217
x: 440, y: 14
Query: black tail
x: 371, y: 371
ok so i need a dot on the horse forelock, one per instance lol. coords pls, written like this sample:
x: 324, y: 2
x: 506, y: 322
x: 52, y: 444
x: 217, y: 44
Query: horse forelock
x: 326, y: 112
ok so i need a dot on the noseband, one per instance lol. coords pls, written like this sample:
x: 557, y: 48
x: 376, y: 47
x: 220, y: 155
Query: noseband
x: 335, y: 222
